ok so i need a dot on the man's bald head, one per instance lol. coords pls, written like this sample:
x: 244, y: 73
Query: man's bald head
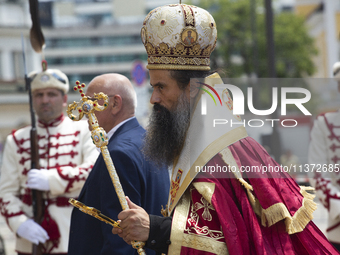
x: 122, y: 98
x: 116, y: 84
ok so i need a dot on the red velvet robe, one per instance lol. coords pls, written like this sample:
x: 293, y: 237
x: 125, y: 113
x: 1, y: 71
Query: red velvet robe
x: 220, y: 214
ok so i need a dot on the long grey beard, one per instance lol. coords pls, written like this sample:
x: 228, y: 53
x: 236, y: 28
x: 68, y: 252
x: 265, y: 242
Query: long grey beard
x: 166, y: 132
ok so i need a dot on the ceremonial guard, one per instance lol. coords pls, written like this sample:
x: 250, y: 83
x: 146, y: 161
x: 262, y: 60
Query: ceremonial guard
x: 216, y: 205
x: 66, y: 156
x: 324, y: 154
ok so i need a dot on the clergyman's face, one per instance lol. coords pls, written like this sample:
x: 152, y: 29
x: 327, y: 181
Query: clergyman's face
x: 169, y: 119
x: 165, y: 89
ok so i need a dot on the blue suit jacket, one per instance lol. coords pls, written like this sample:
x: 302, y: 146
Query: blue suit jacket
x: 142, y: 182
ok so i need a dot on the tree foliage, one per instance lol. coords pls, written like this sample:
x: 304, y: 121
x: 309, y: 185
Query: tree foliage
x: 294, y: 48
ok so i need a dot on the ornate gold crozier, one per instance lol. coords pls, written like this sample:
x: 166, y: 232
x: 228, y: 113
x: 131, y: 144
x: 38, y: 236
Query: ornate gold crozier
x: 93, y: 212
x: 88, y: 106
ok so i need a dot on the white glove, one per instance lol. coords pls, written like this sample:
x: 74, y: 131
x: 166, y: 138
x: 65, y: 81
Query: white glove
x: 33, y: 232
x: 38, y: 179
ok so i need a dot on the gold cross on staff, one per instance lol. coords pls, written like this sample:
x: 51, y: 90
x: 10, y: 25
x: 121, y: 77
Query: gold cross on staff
x: 87, y: 106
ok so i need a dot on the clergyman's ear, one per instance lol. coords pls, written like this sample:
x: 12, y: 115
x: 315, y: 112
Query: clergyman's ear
x: 194, y: 87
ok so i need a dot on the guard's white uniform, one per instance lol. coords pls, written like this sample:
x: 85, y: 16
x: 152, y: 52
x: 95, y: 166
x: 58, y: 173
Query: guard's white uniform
x: 67, y: 151
x: 324, y: 152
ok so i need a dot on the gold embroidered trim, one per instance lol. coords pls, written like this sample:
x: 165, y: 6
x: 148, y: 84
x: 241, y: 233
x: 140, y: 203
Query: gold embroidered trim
x: 178, y: 61
x: 210, y: 151
x: 179, y: 238
x: 174, y: 186
x: 205, y: 244
x: 206, y: 189
x: 179, y: 221
x: 294, y: 224
x: 228, y: 158
x: 206, y: 206
x: 194, y: 218
x: 189, y: 17
x: 178, y: 51
x: 279, y: 211
x: 177, y: 67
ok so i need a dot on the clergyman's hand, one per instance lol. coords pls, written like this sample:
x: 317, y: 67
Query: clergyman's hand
x: 135, y: 224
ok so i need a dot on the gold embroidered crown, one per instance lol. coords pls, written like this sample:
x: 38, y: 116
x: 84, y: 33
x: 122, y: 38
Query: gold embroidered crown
x: 179, y: 37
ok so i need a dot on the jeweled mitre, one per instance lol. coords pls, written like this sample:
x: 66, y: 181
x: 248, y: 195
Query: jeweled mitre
x: 179, y: 37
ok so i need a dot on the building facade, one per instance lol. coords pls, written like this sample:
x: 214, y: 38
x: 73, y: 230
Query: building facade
x: 83, y: 38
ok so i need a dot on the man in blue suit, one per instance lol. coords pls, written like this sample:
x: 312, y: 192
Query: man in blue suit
x: 141, y: 181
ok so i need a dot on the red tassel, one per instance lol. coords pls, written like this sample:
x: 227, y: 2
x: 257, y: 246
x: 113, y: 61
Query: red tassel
x: 51, y: 227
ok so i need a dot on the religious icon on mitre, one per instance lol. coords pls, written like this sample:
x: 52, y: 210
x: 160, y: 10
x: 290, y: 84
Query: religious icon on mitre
x: 189, y: 36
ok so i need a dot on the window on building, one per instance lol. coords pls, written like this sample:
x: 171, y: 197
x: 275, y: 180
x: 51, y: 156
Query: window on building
x: 92, y: 41
x: 95, y: 59
x: 18, y: 64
